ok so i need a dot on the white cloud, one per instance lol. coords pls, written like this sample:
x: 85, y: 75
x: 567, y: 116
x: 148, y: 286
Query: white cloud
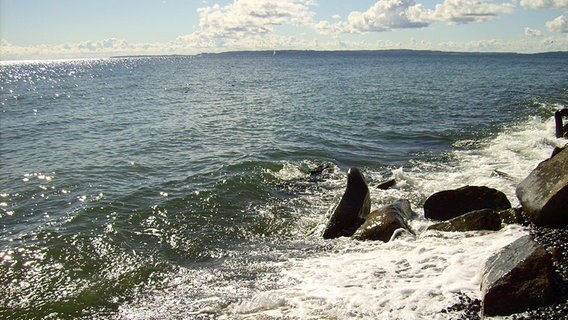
x: 243, y: 19
x: 386, y: 15
x: 532, y: 32
x: 469, y: 11
x: 535, y: 4
x: 559, y: 25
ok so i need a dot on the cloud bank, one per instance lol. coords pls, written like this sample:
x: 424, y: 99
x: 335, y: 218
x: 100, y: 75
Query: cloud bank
x: 541, y: 4
x: 388, y: 15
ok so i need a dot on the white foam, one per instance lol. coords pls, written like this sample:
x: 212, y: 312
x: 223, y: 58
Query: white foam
x: 405, y: 279
x: 289, y: 172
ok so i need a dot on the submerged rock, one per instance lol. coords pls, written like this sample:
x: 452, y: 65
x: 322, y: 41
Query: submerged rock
x: 544, y: 193
x: 320, y: 172
x: 382, y: 223
x: 504, y: 175
x: 484, y: 219
x: 385, y: 185
x: 353, y: 208
x: 517, y: 278
x: 448, y: 204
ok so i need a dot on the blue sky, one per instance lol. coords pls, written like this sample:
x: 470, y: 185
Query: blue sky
x: 37, y: 29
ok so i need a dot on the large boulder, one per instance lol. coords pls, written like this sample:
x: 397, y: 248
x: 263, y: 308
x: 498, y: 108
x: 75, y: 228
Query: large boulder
x: 448, y: 204
x: 517, y: 278
x: 484, y: 219
x: 382, y: 223
x: 544, y: 193
x: 353, y: 208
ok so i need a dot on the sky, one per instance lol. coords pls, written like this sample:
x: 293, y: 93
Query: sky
x: 50, y: 29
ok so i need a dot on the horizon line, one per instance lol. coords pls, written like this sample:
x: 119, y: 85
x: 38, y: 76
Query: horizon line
x: 273, y: 51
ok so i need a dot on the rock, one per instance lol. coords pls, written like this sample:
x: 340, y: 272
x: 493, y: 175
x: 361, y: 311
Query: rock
x: 517, y: 278
x: 511, y: 216
x: 557, y: 150
x: 319, y: 173
x: 504, y: 175
x: 484, y: 219
x: 559, y: 122
x: 382, y: 223
x: 353, y: 208
x: 385, y: 185
x: 448, y: 204
x: 404, y: 209
x: 544, y: 193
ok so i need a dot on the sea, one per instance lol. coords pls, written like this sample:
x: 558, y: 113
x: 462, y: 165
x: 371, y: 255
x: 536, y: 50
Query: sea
x: 198, y: 187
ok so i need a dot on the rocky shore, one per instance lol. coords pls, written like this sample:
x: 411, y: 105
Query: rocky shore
x: 527, y: 279
x: 555, y: 241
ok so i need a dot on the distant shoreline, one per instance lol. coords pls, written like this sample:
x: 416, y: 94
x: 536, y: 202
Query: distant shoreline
x: 388, y: 51
x: 241, y: 53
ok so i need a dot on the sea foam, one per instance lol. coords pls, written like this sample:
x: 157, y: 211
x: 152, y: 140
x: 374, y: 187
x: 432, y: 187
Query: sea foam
x: 404, y: 279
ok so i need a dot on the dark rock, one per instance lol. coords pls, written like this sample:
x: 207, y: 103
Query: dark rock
x: 404, y: 208
x: 544, y: 193
x: 382, y: 223
x: 555, y: 241
x: 385, y: 185
x: 320, y: 172
x: 353, y: 208
x: 511, y: 216
x: 484, y: 219
x: 556, y: 151
x: 467, y: 307
x: 559, y: 122
x: 517, y: 278
x: 448, y: 204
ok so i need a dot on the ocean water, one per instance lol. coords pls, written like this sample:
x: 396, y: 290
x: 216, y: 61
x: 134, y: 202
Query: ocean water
x: 179, y: 187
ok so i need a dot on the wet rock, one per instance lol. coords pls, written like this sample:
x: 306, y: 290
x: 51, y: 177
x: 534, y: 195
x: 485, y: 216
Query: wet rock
x: 517, y: 278
x: 467, y: 307
x: 385, y: 185
x: 404, y: 208
x: 544, y: 193
x: 561, y: 129
x: 448, y: 204
x: 353, y: 208
x: 557, y: 150
x: 382, y: 223
x: 511, y: 216
x: 504, y: 175
x: 320, y: 172
x: 484, y: 219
